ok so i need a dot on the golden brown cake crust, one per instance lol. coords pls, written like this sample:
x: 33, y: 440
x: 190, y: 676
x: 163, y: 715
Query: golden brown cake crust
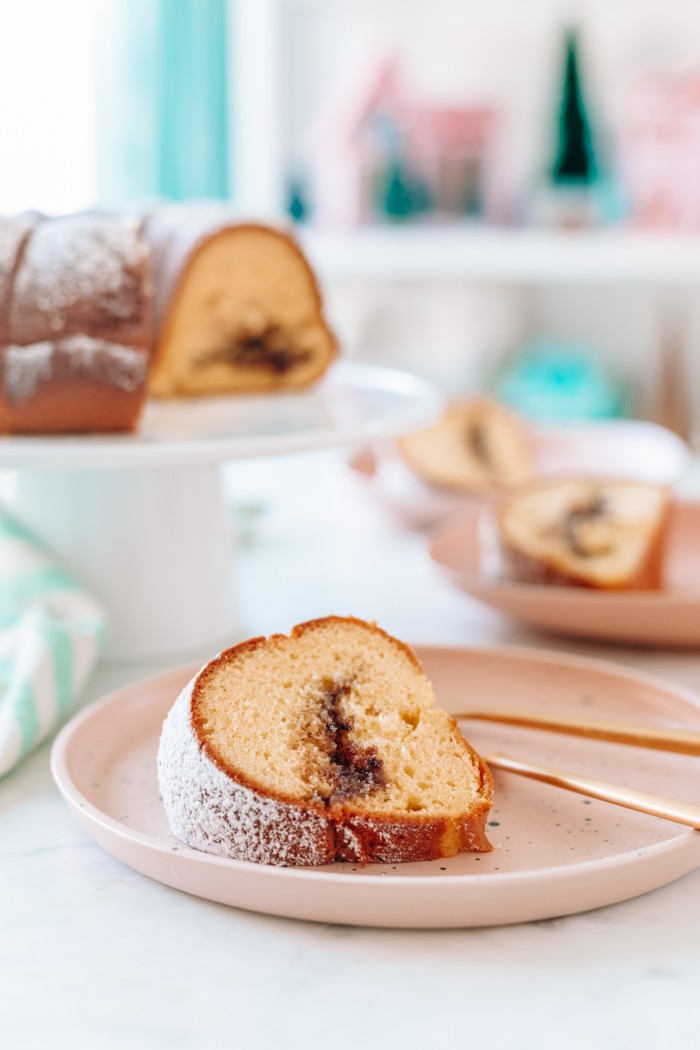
x: 178, y: 235
x: 342, y: 833
x: 80, y: 406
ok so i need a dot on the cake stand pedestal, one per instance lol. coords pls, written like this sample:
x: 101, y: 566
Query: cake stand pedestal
x: 141, y: 519
x: 154, y: 545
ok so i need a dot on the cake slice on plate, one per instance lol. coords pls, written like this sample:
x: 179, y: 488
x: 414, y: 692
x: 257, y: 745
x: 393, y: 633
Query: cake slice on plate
x: 585, y: 533
x: 325, y: 744
x: 476, y: 445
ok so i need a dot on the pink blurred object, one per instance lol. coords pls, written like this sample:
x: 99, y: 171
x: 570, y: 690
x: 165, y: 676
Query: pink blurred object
x: 449, y: 148
x: 452, y: 149
x: 339, y: 147
x: 660, y: 150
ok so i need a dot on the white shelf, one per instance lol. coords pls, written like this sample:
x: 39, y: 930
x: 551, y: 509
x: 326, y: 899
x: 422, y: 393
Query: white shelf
x: 413, y: 253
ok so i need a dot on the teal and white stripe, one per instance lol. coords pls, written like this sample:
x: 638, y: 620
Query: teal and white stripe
x: 51, y: 634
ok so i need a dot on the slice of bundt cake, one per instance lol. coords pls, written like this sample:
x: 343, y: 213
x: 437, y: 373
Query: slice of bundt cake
x: 585, y: 533
x: 475, y: 446
x: 325, y: 744
x: 238, y: 309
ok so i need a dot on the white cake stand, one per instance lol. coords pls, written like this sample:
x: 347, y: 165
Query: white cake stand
x: 141, y: 520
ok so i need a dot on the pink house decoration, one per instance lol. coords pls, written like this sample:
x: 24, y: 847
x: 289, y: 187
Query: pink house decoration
x: 375, y: 129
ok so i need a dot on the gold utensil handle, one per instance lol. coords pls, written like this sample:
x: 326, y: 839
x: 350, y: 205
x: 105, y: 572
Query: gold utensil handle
x: 658, y: 738
x: 656, y: 805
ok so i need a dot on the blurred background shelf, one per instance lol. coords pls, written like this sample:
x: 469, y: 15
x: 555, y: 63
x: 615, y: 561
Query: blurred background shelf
x: 456, y: 253
x: 478, y: 185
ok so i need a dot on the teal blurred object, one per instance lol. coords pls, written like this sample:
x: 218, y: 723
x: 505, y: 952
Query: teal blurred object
x: 553, y: 382
x: 193, y: 140
x: 399, y: 194
x: 163, y: 100
x: 297, y: 202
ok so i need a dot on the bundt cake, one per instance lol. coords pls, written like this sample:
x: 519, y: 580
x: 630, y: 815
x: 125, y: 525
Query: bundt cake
x: 237, y: 310
x: 585, y: 533
x: 475, y: 446
x: 325, y: 744
x: 75, y: 323
x: 238, y: 307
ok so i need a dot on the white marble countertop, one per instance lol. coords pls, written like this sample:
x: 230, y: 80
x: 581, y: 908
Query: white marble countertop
x: 94, y: 955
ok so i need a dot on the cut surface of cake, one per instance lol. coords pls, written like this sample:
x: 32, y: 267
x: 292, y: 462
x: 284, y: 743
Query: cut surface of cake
x: 476, y: 445
x: 587, y: 533
x: 325, y: 744
x: 238, y: 307
x: 75, y: 323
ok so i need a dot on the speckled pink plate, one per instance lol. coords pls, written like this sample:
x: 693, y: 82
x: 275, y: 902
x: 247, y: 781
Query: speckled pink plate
x: 667, y: 617
x: 555, y: 852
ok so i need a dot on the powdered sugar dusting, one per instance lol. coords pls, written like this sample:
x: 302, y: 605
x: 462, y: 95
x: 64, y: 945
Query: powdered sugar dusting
x: 80, y: 257
x: 12, y: 233
x: 25, y: 367
x: 8, y: 248
x: 212, y: 812
x: 122, y: 366
x: 75, y: 357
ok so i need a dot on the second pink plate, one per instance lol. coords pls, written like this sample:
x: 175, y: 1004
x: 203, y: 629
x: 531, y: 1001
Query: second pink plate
x: 554, y: 852
x: 668, y: 617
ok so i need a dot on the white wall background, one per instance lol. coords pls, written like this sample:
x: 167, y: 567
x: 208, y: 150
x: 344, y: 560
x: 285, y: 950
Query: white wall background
x: 48, y: 119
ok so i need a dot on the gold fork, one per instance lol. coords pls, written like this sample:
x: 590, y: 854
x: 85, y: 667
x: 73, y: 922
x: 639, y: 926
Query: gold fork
x: 659, y: 738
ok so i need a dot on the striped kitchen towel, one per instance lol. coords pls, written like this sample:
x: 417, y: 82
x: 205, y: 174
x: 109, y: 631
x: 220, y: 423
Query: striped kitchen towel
x: 51, y: 634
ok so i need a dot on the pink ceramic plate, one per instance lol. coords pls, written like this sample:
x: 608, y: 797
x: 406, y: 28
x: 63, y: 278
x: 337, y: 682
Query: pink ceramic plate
x: 669, y: 617
x: 555, y: 852
x: 620, y: 448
